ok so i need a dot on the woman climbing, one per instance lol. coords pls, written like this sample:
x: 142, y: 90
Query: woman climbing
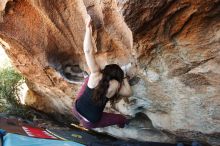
x: 100, y: 87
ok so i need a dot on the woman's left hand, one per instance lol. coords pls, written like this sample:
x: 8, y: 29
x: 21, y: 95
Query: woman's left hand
x: 88, y: 22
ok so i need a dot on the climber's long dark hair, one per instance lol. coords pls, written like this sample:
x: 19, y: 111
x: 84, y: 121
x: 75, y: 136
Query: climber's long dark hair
x: 110, y: 72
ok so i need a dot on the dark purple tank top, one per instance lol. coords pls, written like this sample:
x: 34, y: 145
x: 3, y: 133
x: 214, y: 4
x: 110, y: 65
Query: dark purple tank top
x: 88, y: 108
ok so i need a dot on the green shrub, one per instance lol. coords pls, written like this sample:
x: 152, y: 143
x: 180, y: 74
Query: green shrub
x: 9, y: 83
x: 10, y: 80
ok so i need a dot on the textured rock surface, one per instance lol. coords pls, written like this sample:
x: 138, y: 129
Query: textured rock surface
x: 174, y: 45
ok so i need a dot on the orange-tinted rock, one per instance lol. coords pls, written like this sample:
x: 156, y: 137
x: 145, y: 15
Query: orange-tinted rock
x: 174, y: 45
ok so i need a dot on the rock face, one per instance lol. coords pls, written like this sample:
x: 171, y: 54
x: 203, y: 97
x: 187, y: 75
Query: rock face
x: 170, y: 47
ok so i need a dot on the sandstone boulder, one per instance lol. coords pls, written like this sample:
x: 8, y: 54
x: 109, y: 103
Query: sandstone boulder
x: 170, y: 49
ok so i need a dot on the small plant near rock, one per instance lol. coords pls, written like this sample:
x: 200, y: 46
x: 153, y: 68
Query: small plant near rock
x: 10, y: 80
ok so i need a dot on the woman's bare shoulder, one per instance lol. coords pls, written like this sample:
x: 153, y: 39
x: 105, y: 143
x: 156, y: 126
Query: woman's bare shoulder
x: 94, y: 79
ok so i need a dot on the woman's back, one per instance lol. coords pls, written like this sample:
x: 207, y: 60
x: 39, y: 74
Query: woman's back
x: 89, y: 109
x: 113, y: 88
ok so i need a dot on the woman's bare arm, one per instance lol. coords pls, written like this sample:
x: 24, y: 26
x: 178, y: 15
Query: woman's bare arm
x: 125, y: 89
x: 89, y: 49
